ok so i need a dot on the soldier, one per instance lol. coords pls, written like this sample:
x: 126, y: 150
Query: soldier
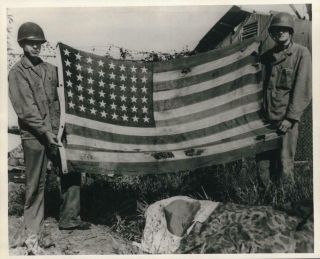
x: 287, y: 93
x: 33, y: 93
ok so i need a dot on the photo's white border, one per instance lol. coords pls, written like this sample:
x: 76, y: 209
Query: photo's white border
x: 95, y: 3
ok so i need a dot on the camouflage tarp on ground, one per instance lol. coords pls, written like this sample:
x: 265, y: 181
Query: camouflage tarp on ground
x: 233, y: 228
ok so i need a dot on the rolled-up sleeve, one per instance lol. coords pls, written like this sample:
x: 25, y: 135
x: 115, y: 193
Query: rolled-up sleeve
x: 302, y: 88
x: 23, y: 102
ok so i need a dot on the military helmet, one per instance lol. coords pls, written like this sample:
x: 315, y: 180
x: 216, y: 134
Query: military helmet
x: 31, y: 31
x: 282, y: 20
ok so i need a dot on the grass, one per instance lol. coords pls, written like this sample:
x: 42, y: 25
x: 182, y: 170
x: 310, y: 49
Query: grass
x: 121, y: 201
x: 233, y: 182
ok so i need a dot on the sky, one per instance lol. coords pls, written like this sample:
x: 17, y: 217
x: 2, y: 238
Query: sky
x: 136, y: 28
x: 159, y: 29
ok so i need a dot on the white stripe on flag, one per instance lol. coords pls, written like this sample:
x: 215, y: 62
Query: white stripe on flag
x: 206, y: 67
x: 165, y: 130
x: 116, y: 157
x: 210, y: 84
x: 95, y: 143
x: 208, y: 104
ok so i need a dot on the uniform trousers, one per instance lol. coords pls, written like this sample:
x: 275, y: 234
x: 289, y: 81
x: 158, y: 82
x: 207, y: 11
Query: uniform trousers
x: 36, y: 160
x: 276, y: 166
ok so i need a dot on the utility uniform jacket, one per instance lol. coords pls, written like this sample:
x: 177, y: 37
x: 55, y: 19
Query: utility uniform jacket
x: 287, y: 82
x: 34, y: 96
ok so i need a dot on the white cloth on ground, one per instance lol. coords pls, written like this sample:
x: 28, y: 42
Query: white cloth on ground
x: 157, y: 239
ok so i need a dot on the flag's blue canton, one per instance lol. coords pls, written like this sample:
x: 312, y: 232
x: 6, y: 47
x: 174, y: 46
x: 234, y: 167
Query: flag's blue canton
x: 107, y: 90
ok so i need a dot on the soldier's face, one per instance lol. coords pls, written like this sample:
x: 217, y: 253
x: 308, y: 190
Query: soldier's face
x: 31, y: 48
x: 281, y: 35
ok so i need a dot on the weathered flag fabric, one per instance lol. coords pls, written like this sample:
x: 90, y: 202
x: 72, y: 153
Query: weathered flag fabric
x: 135, y: 117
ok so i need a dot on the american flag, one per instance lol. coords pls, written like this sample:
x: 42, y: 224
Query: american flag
x: 135, y: 117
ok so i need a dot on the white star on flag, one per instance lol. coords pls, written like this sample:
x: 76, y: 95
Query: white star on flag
x: 90, y: 80
x: 112, y: 96
x: 134, y: 108
x: 111, y: 65
x: 112, y: 75
x: 78, y: 56
x: 82, y: 108
x: 102, y: 104
x: 103, y: 114
x: 101, y: 83
x: 71, y: 104
x: 144, y: 79
x: 66, y: 52
x: 133, y: 69
x: 133, y: 88
x: 101, y: 93
x: 123, y: 98
x: 113, y: 106
x: 144, y: 89
x: 69, y: 83
x: 79, y: 77
x: 122, y: 68
x: 125, y: 117
x: 122, y: 87
x: 133, y: 99
x: 135, y: 118
x: 133, y: 79
x: 91, y: 101
x: 114, y: 116
x: 112, y: 85
x: 68, y: 73
x: 81, y: 97
x: 90, y: 70
x: 93, y: 110
x: 122, y: 77
x: 89, y: 60
x: 144, y: 109
x: 100, y: 62
x: 101, y: 73
x: 90, y: 90
x: 145, y: 119
x: 144, y: 99
x: 70, y: 94
x: 67, y: 63
x: 80, y: 87
x: 79, y: 67
x: 144, y: 70
x: 123, y: 107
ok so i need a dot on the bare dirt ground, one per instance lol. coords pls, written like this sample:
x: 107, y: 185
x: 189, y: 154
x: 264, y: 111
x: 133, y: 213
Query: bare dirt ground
x: 97, y: 240
x: 100, y: 239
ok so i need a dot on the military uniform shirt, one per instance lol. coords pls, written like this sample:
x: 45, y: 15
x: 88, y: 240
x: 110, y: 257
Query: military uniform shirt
x: 287, y: 82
